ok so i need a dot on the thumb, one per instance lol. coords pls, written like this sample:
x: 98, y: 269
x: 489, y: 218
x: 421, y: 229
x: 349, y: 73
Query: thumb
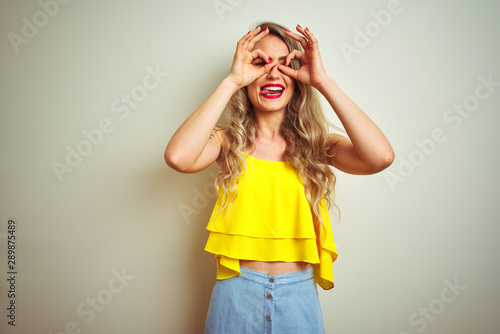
x: 288, y: 71
x: 265, y: 69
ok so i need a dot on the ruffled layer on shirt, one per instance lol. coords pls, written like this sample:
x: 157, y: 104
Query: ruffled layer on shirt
x: 229, y: 249
x: 323, y: 272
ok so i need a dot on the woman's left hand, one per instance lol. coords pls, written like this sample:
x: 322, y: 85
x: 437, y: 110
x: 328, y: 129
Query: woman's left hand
x: 312, y: 72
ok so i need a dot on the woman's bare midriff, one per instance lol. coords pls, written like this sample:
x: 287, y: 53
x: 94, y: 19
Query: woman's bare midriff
x: 274, y: 268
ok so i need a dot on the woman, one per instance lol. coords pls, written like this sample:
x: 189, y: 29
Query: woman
x: 270, y: 231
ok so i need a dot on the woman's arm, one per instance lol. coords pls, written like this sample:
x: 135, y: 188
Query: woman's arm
x: 197, y: 142
x: 367, y: 150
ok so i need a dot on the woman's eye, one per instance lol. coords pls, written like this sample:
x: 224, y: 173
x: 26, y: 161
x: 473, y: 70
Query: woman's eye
x: 260, y: 63
x: 283, y: 63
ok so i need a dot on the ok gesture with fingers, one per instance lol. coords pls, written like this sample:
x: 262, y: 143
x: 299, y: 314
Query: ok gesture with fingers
x: 312, y: 72
x: 243, y: 72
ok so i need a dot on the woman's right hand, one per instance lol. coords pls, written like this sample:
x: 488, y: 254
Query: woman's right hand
x: 243, y: 72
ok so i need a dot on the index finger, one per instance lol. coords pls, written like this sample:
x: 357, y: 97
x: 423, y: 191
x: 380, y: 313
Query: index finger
x: 246, y: 37
x: 301, y: 39
x: 250, y: 43
x: 259, y: 54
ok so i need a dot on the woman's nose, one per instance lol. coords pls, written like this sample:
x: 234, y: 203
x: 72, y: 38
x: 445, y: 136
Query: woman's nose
x: 274, y: 72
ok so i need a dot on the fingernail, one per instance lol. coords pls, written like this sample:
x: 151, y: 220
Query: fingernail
x: 272, y: 68
x: 287, y: 30
x: 299, y: 25
x: 266, y: 29
x: 248, y: 32
x: 307, y: 28
x: 268, y: 60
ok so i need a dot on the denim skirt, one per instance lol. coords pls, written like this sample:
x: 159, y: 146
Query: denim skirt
x: 258, y: 303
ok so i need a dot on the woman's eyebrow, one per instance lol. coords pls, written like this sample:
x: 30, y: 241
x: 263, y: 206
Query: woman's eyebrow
x: 281, y: 58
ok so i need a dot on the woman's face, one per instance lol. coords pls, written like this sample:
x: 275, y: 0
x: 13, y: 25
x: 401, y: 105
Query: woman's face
x: 273, y: 90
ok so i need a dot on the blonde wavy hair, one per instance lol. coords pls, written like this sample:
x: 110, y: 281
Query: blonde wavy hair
x: 304, y: 128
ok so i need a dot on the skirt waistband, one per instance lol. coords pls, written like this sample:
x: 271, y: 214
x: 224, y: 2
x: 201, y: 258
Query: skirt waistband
x: 274, y: 280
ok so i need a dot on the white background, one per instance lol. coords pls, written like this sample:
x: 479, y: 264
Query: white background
x: 431, y: 218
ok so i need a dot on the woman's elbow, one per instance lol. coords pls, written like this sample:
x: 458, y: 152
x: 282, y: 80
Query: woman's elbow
x: 173, y: 161
x: 384, y: 160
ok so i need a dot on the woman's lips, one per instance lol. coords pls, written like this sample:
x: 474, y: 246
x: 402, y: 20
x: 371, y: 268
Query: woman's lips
x: 272, y: 91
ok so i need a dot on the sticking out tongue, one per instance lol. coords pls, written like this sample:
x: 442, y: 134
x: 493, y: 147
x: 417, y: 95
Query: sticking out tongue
x: 271, y: 92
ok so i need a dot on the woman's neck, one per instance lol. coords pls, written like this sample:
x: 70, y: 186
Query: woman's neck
x: 269, y: 124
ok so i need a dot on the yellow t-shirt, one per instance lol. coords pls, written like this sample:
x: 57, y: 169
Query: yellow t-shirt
x: 271, y: 220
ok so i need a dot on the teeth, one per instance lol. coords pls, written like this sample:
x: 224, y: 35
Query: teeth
x: 272, y: 88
